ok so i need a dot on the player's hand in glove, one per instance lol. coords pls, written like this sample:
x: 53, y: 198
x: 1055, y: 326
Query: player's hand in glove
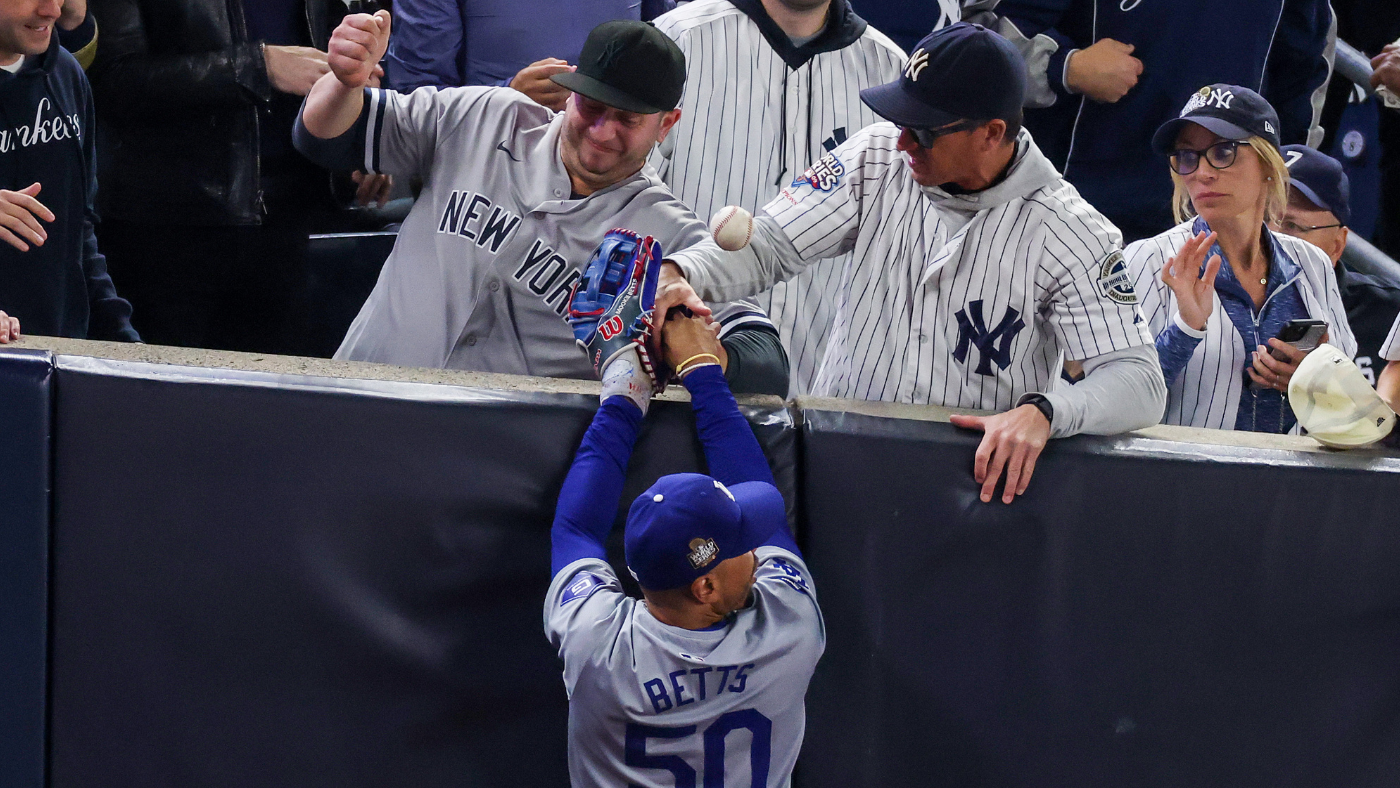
x: 1012, y: 441
x: 611, y: 307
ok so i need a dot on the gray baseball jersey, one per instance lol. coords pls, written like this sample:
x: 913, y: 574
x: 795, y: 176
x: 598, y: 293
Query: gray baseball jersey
x: 1390, y: 351
x: 479, y: 277
x: 655, y: 705
x: 755, y: 113
x: 966, y: 300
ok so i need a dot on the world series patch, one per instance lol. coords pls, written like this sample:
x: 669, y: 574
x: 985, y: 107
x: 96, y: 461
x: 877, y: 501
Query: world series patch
x: 1115, y: 281
x: 824, y: 175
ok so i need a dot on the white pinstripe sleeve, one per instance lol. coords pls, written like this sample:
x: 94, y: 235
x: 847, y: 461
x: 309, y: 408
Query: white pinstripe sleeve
x: 1145, y: 263
x: 1093, y: 308
x: 820, y: 211
x: 1390, y: 351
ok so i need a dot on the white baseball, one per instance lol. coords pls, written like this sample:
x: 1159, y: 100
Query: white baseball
x: 731, y: 227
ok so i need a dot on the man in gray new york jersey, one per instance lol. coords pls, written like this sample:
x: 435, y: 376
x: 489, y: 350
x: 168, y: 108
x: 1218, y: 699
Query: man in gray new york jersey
x: 515, y: 199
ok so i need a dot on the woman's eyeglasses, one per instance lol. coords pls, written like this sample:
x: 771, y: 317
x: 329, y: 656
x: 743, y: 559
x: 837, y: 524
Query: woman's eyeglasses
x: 925, y: 137
x: 1220, y: 155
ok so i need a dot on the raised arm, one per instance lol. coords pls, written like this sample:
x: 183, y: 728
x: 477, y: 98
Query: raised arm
x: 356, y: 47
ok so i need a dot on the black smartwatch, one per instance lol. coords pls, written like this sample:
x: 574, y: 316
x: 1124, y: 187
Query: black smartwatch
x: 1042, y: 403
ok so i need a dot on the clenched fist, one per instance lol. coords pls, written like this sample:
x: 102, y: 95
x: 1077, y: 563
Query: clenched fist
x: 357, y: 46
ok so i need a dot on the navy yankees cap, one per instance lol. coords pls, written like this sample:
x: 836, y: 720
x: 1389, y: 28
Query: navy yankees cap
x: 961, y: 72
x: 1320, y: 178
x: 687, y: 523
x: 629, y: 65
x: 1231, y: 111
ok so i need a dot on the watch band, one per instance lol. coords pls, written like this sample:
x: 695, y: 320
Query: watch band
x: 1042, y: 403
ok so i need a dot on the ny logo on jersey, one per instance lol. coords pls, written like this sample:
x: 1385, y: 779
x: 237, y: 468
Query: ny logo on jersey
x: 994, y: 345
x: 838, y: 137
x: 917, y: 63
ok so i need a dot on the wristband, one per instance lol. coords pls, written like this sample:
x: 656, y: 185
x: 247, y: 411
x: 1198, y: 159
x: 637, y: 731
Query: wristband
x: 1042, y: 404
x: 683, y: 371
x: 697, y: 355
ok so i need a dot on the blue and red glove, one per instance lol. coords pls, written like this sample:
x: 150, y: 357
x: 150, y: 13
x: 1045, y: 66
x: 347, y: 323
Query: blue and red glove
x: 611, y: 307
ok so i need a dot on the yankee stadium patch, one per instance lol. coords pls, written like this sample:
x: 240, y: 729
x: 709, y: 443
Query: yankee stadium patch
x: 584, y: 584
x: 1115, y: 282
x: 824, y: 175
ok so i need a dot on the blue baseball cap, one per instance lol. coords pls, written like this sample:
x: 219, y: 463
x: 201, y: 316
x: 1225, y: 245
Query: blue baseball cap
x: 1320, y: 178
x: 687, y: 523
x: 1231, y: 111
x: 961, y: 72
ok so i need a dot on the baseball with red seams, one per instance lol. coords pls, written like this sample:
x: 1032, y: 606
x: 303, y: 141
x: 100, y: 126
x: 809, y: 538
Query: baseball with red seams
x: 731, y: 227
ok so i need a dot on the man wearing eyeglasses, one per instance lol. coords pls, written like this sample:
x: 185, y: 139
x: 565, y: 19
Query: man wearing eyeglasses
x: 1318, y: 210
x: 977, y: 270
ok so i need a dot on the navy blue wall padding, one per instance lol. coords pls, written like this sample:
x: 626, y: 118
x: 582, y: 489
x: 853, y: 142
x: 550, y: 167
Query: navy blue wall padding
x: 1149, y: 614
x: 25, y: 403
x: 270, y: 581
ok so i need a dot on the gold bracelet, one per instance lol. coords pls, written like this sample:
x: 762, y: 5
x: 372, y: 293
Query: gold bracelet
x: 697, y: 355
x: 681, y: 373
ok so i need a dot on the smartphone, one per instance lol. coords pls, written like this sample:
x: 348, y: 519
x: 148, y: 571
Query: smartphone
x: 1305, y: 335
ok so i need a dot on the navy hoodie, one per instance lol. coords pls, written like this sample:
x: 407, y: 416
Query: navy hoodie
x: 47, y: 134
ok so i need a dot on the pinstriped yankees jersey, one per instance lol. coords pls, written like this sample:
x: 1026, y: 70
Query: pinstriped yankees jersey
x: 965, y: 301
x: 755, y: 113
x: 1207, y: 392
x: 1390, y: 351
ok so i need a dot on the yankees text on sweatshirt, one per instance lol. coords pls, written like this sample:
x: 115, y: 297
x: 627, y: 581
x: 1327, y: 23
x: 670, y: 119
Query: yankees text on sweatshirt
x: 47, y: 127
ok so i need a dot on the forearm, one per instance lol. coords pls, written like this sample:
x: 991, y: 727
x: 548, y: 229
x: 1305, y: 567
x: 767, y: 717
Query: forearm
x: 588, y: 500
x: 1388, y: 386
x: 81, y: 41
x: 331, y: 108
x: 1121, y: 391
x: 1175, y: 345
x: 717, y: 275
x: 731, y: 450
x: 341, y: 153
x: 109, y: 315
x: 757, y: 362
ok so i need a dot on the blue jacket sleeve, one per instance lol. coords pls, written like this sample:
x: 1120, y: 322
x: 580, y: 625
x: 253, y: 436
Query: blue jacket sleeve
x: 731, y: 450
x: 1300, y: 62
x: 109, y: 315
x: 588, y: 501
x: 427, y: 45
x: 1174, y: 349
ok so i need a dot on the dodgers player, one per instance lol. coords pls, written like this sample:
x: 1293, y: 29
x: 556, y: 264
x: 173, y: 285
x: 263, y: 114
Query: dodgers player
x: 514, y: 200
x: 976, y: 271
x: 702, y: 682
x: 765, y: 93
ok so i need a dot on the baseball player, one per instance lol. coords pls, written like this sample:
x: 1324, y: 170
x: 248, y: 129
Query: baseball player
x: 767, y: 94
x: 977, y: 270
x: 514, y: 198
x: 702, y: 682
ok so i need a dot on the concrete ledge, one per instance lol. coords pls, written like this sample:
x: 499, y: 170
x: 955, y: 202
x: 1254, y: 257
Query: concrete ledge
x: 356, y: 370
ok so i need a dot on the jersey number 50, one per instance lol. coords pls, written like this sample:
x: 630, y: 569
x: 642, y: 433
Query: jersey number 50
x: 759, y: 752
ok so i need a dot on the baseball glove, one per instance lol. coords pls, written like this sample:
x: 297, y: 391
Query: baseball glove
x: 610, y: 308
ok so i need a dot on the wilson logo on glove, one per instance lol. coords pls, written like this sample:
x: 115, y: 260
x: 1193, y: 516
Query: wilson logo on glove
x: 611, y: 328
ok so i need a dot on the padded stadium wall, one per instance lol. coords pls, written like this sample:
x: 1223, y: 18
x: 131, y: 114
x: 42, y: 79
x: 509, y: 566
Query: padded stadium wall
x: 225, y: 569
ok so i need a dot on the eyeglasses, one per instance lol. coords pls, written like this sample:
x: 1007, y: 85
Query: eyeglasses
x: 925, y: 137
x: 1290, y: 226
x: 1220, y: 155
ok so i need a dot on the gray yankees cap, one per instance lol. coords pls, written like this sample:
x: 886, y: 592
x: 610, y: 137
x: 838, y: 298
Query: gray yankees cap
x: 629, y: 65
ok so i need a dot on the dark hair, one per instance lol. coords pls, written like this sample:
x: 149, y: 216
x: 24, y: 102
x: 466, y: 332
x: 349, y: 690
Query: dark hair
x: 1013, y: 128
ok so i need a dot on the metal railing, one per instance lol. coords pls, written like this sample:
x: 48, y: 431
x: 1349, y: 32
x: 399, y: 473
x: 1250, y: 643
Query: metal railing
x: 1360, y: 255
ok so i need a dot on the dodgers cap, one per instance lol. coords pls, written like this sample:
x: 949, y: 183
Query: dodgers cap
x: 687, y: 523
x: 1334, y: 402
x: 961, y: 72
x: 1320, y: 178
x: 1231, y: 111
x: 629, y: 65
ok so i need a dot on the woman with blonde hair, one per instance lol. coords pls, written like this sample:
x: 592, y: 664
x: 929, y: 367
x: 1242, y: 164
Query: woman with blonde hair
x: 1217, y: 288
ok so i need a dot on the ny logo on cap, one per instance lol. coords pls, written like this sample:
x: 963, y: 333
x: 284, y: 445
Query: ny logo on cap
x: 1207, y: 97
x: 610, y: 53
x: 917, y: 63
x: 703, y: 552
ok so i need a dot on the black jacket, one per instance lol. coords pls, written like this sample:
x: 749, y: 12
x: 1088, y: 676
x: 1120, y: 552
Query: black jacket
x: 178, y: 87
x: 46, y: 136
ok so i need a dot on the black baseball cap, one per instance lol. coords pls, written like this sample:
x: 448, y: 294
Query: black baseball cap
x: 629, y: 65
x: 1320, y: 178
x: 1231, y: 111
x: 961, y: 72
